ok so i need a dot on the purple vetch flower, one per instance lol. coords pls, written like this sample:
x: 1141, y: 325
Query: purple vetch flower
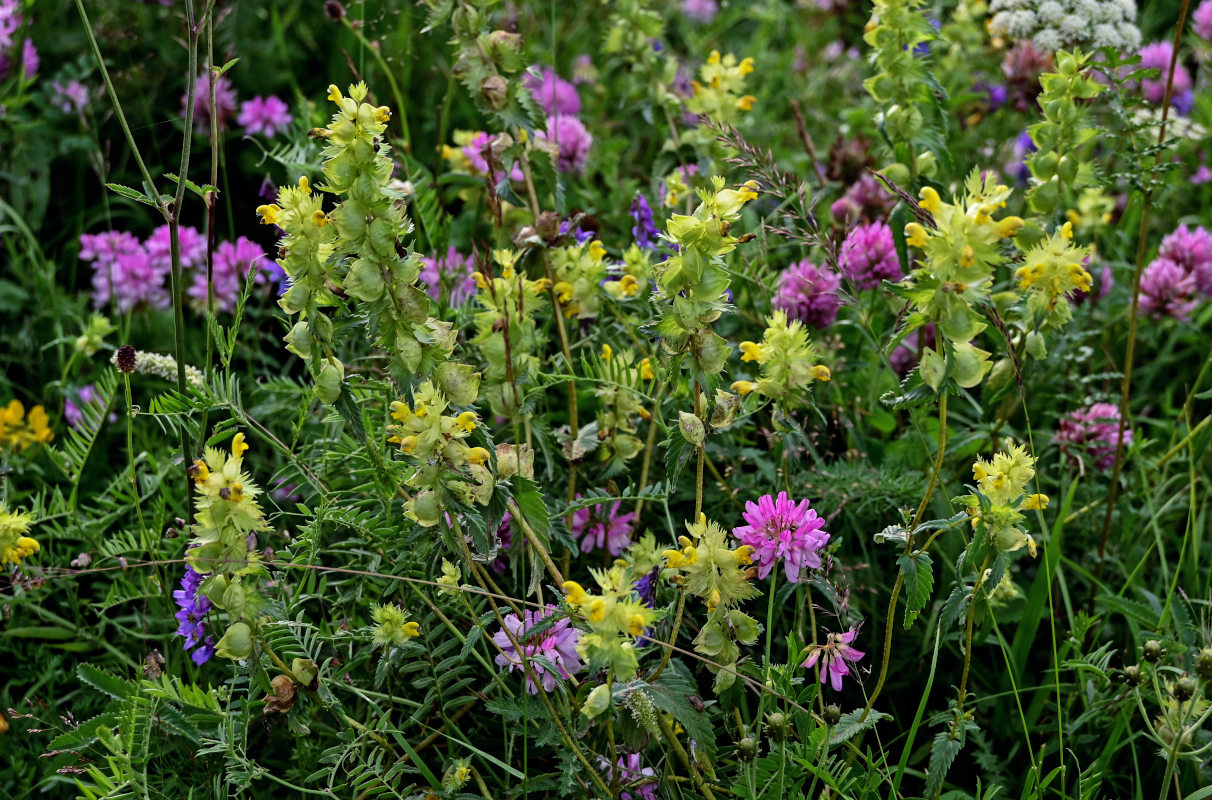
x: 581, y: 235
x: 809, y: 293
x: 233, y: 261
x: 646, y: 586
x: 1201, y: 20
x: 123, y: 273
x: 71, y: 97
x: 1092, y: 430
x: 10, y: 23
x: 781, y: 529
x: 1191, y: 249
x: 637, y: 781
x: 869, y: 256
x: 264, y: 116
x: 225, y: 103
x: 557, y: 644
x: 449, y: 276
x: 556, y: 96
x: 836, y: 657
x: 645, y: 229
x: 85, y: 395
x: 1157, y: 56
x: 1202, y: 174
x: 612, y: 533
x: 1017, y: 165
x: 1166, y: 290
x: 572, y: 140
x: 191, y: 617
x: 700, y: 10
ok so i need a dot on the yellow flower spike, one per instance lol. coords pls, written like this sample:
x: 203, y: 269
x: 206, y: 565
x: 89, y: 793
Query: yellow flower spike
x: 674, y: 558
x: 597, y: 609
x: 1036, y: 502
x: 421, y: 411
x: 563, y: 291
x: 746, y: 66
x: 238, y: 447
x: 596, y: 250
x: 978, y: 472
x: 319, y: 218
x: 915, y: 235
x: 714, y: 58
x: 743, y: 387
x: 744, y: 554
x: 1067, y: 230
x: 746, y: 102
x: 478, y: 277
x: 334, y: 94
x: 382, y: 114
x: 270, y: 214
x: 477, y: 455
x: 576, y: 593
x: 27, y: 546
x: 542, y: 285
x: 400, y: 411
x: 237, y: 492
x: 412, y: 629
x: 629, y: 286
x: 646, y: 372
x: 635, y: 624
x: 822, y: 373
x: 304, y: 185
x: 1007, y: 227
x: 751, y: 351
x: 930, y: 199
x: 607, y: 352
x: 466, y: 421
x: 748, y: 189
x: 685, y: 542
x: 202, y: 475
x: 408, y: 444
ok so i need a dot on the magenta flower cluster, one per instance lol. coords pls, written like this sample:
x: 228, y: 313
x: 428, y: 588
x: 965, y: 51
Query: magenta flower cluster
x: 10, y: 25
x: 835, y: 656
x: 866, y: 199
x: 809, y: 293
x: 868, y: 256
x: 611, y: 533
x: 131, y: 274
x: 1171, y: 284
x: 1201, y: 20
x: 557, y: 644
x: 560, y: 101
x: 449, y: 277
x: 260, y: 116
x: 781, y: 529
x: 1092, y: 430
x: 264, y: 116
x: 1157, y: 56
x: 641, y: 780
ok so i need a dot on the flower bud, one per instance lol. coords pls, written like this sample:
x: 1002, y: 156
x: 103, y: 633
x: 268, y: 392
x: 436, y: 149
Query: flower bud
x: 777, y: 723
x: 1203, y: 664
x: 334, y: 10
x: 1183, y: 689
x: 125, y: 359
x: 746, y: 749
x: 1132, y: 676
x: 833, y: 714
x: 1153, y: 651
x: 692, y: 428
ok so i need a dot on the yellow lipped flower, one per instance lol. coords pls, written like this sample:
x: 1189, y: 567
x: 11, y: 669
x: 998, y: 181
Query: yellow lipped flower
x: 466, y: 421
x: 238, y: 447
x: 930, y: 200
x: 304, y: 185
x: 1036, y: 502
x: 14, y: 543
x: 477, y: 455
x: 319, y: 218
x: 915, y: 235
x: 646, y: 372
x: 270, y: 214
x: 751, y: 351
x: 742, y: 387
x: 576, y: 594
x: 607, y: 352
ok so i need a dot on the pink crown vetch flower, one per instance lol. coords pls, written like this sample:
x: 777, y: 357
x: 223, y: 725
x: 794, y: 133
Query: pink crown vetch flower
x: 781, y: 529
x: 611, y: 532
x: 557, y: 644
x: 836, y: 656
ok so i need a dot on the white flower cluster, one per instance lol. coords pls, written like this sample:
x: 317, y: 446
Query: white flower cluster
x: 1053, y: 25
x: 162, y: 366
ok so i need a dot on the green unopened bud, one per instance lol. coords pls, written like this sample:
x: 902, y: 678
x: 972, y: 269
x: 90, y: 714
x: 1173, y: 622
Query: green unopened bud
x: 328, y: 382
x: 833, y: 714
x: 776, y: 723
x: 927, y: 164
x: 236, y: 644
x: 1153, y: 651
x: 1203, y: 664
x: 746, y: 749
x: 1183, y: 689
x: 1132, y: 676
x: 692, y: 428
x: 597, y: 701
